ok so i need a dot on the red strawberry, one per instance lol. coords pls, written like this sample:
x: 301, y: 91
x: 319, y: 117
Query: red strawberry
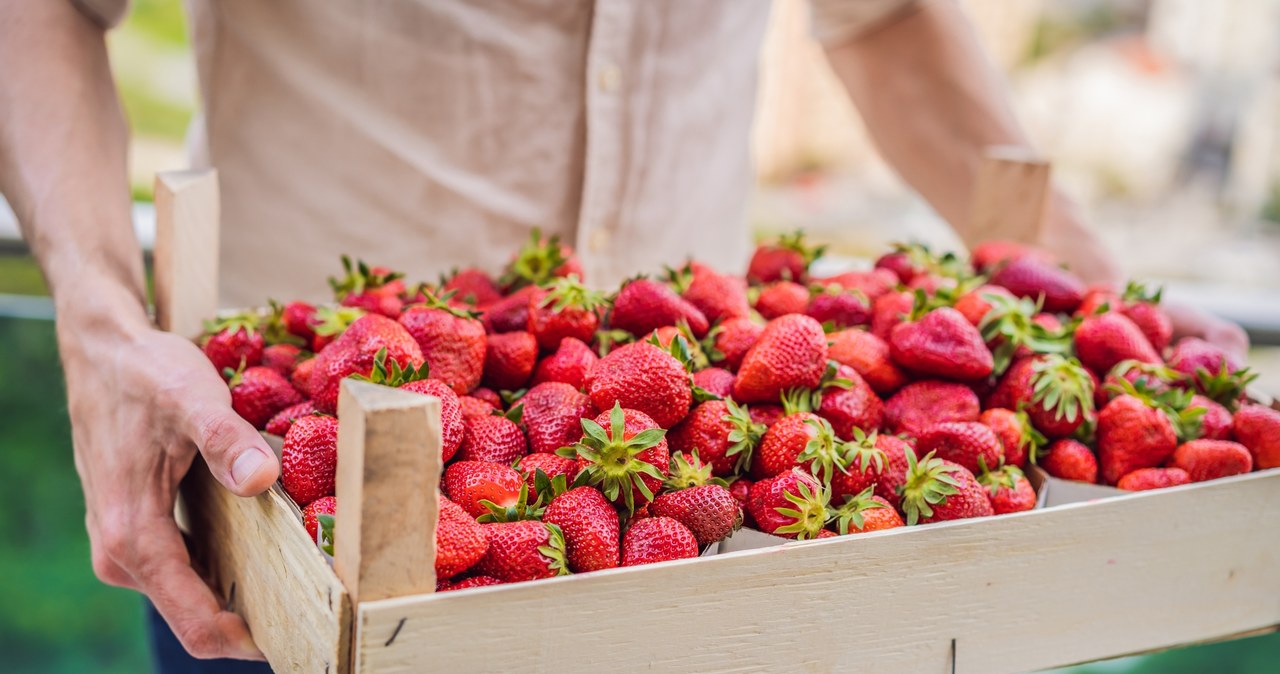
x: 1132, y: 435
x: 522, y: 550
x: 839, y: 308
x: 782, y: 298
x: 452, y: 426
x: 932, y: 284
x: 328, y: 323
x: 902, y: 264
x: 657, y: 539
x: 1209, y: 370
x: 569, y: 364
x: 460, y: 541
x: 1143, y: 479
x: 468, y: 483
x: 494, y: 439
x: 301, y: 376
x: 281, y: 358
x: 1009, y: 490
x: 452, y: 341
x: 1211, y: 459
x: 740, y: 488
x: 258, y: 393
x: 551, y: 465
x: 488, y: 395
x: 869, y: 355
x: 1054, y: 391
x: 1018, y: 437
x: 590, y: 526
x: 894, y: 474
x: 844, y: 468
x: 474, y: 407
x: 472, y: 286
x: 718, y: 297
x: 233, y: 342
x: 792, y: 504
x: 1215, y: 422
x: 888, y: 310
x: 566, y: 308
x: 467, y: 583
x: 709, y: 511
x: 924, y: 403
x: 1070, y: 460
x: 987, y: 255
x: 299, y: 319
x: 1103, y: 340
x: 864, y: 513
x: 791, y: 353
x: 942, y: 344
x: 309, y: 459
x: 853, y: 407
x: 721, y: 433
x: 938, y: 490
x: 642, y: 377
x: 644, y: 305
x: 732, y: 340
x: 354, y: 353
x: 785, y: 441
x: 326, y: 505
x: 1152, y: 321
x: 968, y: 443
x: 766, y: 414
x: 714, y: 380
x: 1258, y: 428
x: 1029, y: 277
x: 975, y: 304
x: 374, y: 289
x: 280, y: 423
x: 787, y: 258
x: 539, y: 261
x: 509, y: 360
x: 552, y: 414
x: 871, y: 284
x: 511, y: 313
x: 625, y: 454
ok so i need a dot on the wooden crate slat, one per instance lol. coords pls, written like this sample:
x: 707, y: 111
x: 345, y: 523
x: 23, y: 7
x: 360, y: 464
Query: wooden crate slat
x: 186, y: 250
x: 1010, y: 198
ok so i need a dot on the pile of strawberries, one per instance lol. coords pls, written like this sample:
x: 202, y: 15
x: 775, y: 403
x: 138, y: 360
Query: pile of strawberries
x: 584, y: 431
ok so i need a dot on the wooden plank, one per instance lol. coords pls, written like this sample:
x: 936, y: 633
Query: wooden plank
x: 388, y: 474
x: 186, y: 250
x: 260, y: 559
x: 1004, y: 594
x: 1010, y: 198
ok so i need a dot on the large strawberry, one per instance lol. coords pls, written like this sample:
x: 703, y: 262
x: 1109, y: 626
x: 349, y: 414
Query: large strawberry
x: 1009, y: 490
x: 782, y: 298
x: 722, y: 433
x: 373, y: 289
x: 509, y: 360
x: 309, y: 459
x: 299, y: 319
x: 717, y: 296
x: 937, y: 490
x: 1058, y: 290
x: 791, y: 353
x: 1132, y: 435
x: 889, y: 310
x: 590, y: 526
x: 785, y: 259
x: 642, y: 377
x: 657, y: 539
x: 792, y: 504
x: 1018, y: 436
x: 460, y: 540
x: 1144, y: 479
x: 233, y: 342
x: 565, y: 308
x: 624, y: 453
x: 1215, y: 420
x: 968, y: 443
x: 493, y: 438
x: 452, y: 341
x: 1103, y: 340
x: 869, y: 355
x: 1211, y: 459
x: 469, y: 483
x: 552, y: 414
x: 921, y: 404
x: 849, y: 403
x: 644, y: 305
x: 523, y: 550
x: 452, y: 428
x: 1070, y: 460
x: 709, y: 511
x: 568, y: 364
x: 471, y: 286
x: 355, y: 351
x: 258, y: 393
x: 1258, y: 428
x: 941, y: 343
x: 786, y: 440
x: 1055, y: 391
x: 731, y: 340
x: 839, y: 308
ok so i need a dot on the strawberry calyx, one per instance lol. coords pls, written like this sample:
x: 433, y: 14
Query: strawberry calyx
x: 535, y: 263
x: 928, y: 483
x: 689, y: 471
x: 1136, y: 291
x: 358, y: 278
x: 424, y: 296
x: 1003, y: 477
x: 247, y: 322
x: 1010, y: 324
x: 745, y: 436
x: 522, y: 509
x: 1061, y: 384
x: 325, y: 533
x: 1149, y: 374
x: 388, y: 372
x: 851, y: 512
x: 809, y: 511
x: 1225, y: 387
x: 683, y: 347
x: 795, y: 242
x: 830, y: 379
x: 861, y: 452
x: 921, y: 257
x: 678, y: 279
x: 797, y: 400
x: 613, y: 463
x: 569, y: 292
x: 273, y: 330
x: 824, y: 453
x: 1034, y: 441
x: 554, y: 550
x: 607, y: 340
x: 333, y: 320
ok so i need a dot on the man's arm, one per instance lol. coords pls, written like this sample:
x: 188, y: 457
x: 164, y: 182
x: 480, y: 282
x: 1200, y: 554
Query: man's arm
x: 933, y: 103
x: 142, y: 402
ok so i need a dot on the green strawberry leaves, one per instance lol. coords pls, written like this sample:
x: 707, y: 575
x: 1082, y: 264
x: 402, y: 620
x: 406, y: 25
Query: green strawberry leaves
x: 809, y: 511
x: 745, y: 436
x: 326, y: 533
x: 930, y: 481
x: 613, y: 462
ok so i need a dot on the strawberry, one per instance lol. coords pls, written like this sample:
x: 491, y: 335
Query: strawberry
x: 717, y: 296
x: 551, y: 465
x: 890, y: 479
x: 901, y: 263
x: 511, y: 313
x: 1258, y: 428
x: 740, y: 489
x: 839, y: 308
x: 1147, y: 377
x: 300, y: 320
x: 870, y: 284
x: 1056, y: 392
x: 889, y: 310
x: 849, y: 404
x: 492, y: 438
x: 791, y: 353
x: 988, y: 255
x: 509, y: 360
x: 1143, y: 308
x: 552, y: 414
x: 732, y: 339
x: 488, y: 395
x: 326, y: 505
x: 792, y: 504
x: 569, y: 364
x: 590, y: 526
x: 1143, y: 479
x: 786, y: 440
x: 869, y: 356
x: 1058, y: 290
x: 968, y: 443
x: 1019, y: 438
x: 309, y: 459
x: 785, y: 259
x: 722, y: 434
x: 943, y: 344
x: 354, y: 352
x: 1014, y: 329
x: 452, y: 426
x: 976, y: 304
x: 1215, y: 420
x: 1070, y: 460
x: 1132, y: 435
x: 1211, y: 459
x: 1210, y: 371
x: 714, y: 380
x: 782, y: 298
x: 657, y: 539
x: 644, y: 305
x: 539, y: 261
x: 924, y: 403
x: 1103, y: 340
x: 471, y: 286
x: 863, y: 513
x: 460, y: 541
x: 259, y: 392
x: 709, y: 511
x: 642, y: 377
x: 522, y: 550
x: 1009, y: 490
x: 474, y: 407
x: 467, y: 583
x: 936, y: 490
x: 933, y: 284
x: 452, y: 341
x: 373, y: 289
x: 565, y: 308
x: 327, y: 323
x: 282, y: 358
x: 280, y: 423
x: 233, y: 342
x: 624, y: 453
x: 844, y: 468
x: 468, y: 483
x: 766, y: 414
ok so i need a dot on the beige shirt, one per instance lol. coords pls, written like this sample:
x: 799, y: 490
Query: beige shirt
x: 429, y: 134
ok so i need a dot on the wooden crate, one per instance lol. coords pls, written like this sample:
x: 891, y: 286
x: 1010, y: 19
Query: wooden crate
x: 1021, y: 592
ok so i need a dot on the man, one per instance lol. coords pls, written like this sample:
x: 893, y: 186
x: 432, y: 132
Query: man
x: 423, y: 135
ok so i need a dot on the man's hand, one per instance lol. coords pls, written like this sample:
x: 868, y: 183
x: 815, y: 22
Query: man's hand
x: 142, y: 402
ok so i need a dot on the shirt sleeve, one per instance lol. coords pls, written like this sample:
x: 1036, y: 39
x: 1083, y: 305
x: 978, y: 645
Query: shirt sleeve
x: 105, y: 13
x: 837, y: 21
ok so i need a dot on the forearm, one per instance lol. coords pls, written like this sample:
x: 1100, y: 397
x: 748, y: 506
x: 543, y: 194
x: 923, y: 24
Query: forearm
x: 63, y: 163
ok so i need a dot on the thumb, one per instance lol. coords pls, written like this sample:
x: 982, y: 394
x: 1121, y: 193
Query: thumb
x: 236, y: 453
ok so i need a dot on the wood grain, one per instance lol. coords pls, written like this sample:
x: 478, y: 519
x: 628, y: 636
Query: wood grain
x: 186, y: 250
x: 1016, y: 593
x: 1010, y: 198
x: 388, y: 474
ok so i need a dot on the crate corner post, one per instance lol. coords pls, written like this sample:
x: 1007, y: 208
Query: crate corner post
x: 186, y: 249
x: 1010, y: 197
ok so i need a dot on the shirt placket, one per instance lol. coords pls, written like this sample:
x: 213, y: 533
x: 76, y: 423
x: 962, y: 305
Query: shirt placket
x: 602, y: 165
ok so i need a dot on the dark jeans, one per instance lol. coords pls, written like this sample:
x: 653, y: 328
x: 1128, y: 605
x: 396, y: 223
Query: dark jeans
x: 169, y: 657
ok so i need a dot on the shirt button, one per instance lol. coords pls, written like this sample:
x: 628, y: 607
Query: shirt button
x: 610, y: 78
x: 598, y: 240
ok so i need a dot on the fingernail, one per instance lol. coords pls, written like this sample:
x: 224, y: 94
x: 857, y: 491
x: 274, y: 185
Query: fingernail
x: 245, y: 465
